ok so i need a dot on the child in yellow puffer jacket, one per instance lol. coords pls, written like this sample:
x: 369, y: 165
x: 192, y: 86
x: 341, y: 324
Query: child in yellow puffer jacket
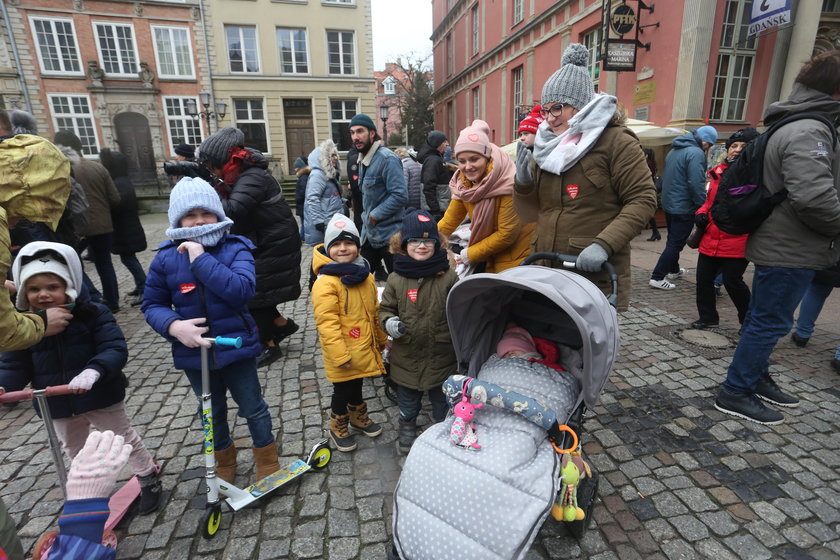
x: 346, y: 308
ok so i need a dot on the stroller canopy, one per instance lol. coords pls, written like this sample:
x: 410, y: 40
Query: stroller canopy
x: 551, y: 303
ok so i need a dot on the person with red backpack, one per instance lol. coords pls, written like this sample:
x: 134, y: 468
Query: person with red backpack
x: 721, y: 252
x: 797, y: 239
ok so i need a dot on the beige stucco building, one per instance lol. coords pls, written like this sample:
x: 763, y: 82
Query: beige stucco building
x: 292, y: 72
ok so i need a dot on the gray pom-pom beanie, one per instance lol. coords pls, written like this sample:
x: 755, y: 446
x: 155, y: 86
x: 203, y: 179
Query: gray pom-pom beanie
x: 216, y: 148
x: 572, y: 83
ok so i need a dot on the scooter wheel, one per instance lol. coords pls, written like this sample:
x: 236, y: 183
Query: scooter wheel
x: 43, y: 545
x: 321, y: 458
x: 211, y: 521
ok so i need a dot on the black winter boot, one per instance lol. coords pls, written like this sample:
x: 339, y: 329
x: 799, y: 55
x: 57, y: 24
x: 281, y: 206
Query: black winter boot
x: 150, y: 493
x: 407, y: 435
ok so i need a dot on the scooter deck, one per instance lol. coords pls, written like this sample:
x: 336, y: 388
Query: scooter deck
x: 268, y: 484
x: 121, y: 501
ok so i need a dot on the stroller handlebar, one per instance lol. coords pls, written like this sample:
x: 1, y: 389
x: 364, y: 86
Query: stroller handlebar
x: 569, y: 262
x: 29, y: 394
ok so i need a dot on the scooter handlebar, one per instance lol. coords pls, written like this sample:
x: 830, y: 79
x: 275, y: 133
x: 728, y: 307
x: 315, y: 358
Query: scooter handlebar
x: 29, y: 394
x: 228, y: 341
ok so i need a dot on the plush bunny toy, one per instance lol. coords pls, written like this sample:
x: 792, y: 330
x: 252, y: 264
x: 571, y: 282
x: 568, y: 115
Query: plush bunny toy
x: 463, y: 428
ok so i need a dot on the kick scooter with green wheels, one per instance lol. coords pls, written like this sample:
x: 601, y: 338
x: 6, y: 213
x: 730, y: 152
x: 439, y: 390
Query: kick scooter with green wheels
x: 237, y: 498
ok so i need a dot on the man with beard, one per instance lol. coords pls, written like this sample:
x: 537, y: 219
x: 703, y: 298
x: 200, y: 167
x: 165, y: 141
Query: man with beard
x: 384, y: 192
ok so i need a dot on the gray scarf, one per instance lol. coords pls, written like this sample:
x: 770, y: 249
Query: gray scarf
x: 207, y: 235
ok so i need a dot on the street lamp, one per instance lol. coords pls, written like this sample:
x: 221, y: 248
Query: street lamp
x: 383, y: 114
x: 206, y: 114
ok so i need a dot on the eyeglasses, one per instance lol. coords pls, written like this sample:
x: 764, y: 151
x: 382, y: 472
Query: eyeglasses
x: 554, y: 110
x: 418, y: 242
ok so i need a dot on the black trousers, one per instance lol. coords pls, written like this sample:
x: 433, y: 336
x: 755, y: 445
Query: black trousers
x: 264, y: 318
x: 733, y: 279
x: 373, y: 255
x: 344, y: 393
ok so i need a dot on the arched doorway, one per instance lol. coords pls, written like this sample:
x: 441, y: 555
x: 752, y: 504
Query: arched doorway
x: 134, y: 139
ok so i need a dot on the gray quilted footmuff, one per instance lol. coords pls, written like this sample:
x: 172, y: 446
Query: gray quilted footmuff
x: 460, y: 504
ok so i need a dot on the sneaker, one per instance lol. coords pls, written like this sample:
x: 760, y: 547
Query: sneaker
x: 286, y: 330
x: 150, y: 493
x: 700, y: 324
x: 768, y: 390
x: 676, y: 275
x: 800, y: 341
x: 661, y: 284
x: 747, y: 407
x: 269, y: 355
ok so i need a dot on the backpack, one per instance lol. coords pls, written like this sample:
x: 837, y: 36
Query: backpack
x: 77, y: 207
x: 743, y: 201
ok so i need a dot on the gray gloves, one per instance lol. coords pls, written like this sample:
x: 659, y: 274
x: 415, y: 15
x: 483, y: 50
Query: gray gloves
x: 394, y: 327
x: 591, y: 258
x: 524, y: 173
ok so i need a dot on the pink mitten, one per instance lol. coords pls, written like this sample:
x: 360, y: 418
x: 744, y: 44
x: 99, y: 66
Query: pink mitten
x: 84, y: 380
x: 189, y: 333
x: 97, y: 466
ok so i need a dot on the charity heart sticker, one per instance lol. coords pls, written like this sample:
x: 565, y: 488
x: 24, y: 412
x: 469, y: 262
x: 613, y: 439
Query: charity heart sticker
x: 340, y: 224
x: 412, y: 294
x: 473, y: 137
x: 423, y: 218
x: 187, y: 288
x: 355, y: 333
x: 572, y: 190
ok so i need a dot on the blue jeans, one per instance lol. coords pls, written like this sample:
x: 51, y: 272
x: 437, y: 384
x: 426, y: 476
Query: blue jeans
x: 130, y: 261
x: 409, y: 401
x: 240, y: 378
x: 809, y: 310
x: 679, y: 226
x: 776, y: 292
x: 99, y: 247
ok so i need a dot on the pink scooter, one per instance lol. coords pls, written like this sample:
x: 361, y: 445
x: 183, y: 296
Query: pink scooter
x: 119, y: 503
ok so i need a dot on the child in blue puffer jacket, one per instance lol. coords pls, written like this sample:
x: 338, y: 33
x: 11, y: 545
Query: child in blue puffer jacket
x: 199, y: 285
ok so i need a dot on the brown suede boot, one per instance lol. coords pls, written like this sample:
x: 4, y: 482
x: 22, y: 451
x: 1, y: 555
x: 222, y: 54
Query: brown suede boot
x: 360, y: 421
x: 226, y: 464
x: 339, y: 434
x: 266, y: 460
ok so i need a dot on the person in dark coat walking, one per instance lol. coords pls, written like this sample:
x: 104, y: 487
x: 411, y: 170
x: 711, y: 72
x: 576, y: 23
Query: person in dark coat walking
x: 355, y: 190
x: 436, y: 175
x: 253, y: 199
x: 129, y: 236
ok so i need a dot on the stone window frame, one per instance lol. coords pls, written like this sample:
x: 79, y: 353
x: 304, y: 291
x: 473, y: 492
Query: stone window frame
x: 53, y: 35
x: 170, y: 39
x: 80, y: 123
x: 125, y: 56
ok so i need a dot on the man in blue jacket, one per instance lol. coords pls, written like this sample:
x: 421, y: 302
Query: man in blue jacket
x: 384, y: 192
x: 683, y: 192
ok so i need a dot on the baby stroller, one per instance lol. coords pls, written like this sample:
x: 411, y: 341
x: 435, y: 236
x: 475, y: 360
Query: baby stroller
x: 453, y: 502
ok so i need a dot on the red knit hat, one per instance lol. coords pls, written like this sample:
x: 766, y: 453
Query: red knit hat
x: 531, y: 122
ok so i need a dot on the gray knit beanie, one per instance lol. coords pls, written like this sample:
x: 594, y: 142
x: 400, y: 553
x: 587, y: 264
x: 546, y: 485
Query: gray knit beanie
x: 191, y: 193
x: 572, y: 83
x: 216, y: 148
x: 341, y: 227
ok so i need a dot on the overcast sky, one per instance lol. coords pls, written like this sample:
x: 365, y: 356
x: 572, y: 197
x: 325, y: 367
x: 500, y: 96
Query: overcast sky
x: 401, y: 28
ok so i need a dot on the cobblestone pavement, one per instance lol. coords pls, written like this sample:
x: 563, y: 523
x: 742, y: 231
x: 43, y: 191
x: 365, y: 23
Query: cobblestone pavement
x: 678, y: 479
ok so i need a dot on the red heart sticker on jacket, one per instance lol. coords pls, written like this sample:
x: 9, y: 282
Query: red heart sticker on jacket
x: 423, y: 218
x: 187, y: 288
x: 355, y: 333
x: 473, y: 137
x: 572, y: 190
x: 412, y: 294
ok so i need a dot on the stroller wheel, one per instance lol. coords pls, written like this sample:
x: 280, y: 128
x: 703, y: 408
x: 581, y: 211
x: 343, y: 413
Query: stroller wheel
x: 392, y: 553
x: 586, y: 495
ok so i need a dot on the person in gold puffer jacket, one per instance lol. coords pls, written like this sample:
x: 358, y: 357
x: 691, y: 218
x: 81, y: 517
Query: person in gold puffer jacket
x: 483, y: 189
x: 346, y: 306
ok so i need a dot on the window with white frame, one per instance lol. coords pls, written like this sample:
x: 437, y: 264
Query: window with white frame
x: 476, y: 103
x: 249, y: 117
x: 733, y: 72
x: 592, y: 42
x: 173, y: 51
x: 117, y: 48
x: 474, y: 36
x: 73, y: 112
x: 516, y: 93
x: 243, y: 53
x: 389, y: 86
x: 518, y: 11
x: 340, y: 52
x: 57, y: 50
x: 341, y: 111
x: 181, y: 126
x: 294, y: 58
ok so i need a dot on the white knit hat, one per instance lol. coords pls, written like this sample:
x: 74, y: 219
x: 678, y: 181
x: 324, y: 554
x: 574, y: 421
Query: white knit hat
x: 44, y: 263
x: 572, y: 83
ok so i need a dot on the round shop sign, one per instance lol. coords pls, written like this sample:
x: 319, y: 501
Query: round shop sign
x: 623, y: 19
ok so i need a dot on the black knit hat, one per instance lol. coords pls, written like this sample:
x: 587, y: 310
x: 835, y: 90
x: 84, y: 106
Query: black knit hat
x: 436, y: 138
x: 216, y: 148
x: 419, y: 224
x: 69, y: 139
x: 743, y: 135
x: 185, y: 150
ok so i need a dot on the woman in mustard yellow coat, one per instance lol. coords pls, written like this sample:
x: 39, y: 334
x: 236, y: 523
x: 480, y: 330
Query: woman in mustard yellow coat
x: 347, y: 316
x: 483, y: 189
